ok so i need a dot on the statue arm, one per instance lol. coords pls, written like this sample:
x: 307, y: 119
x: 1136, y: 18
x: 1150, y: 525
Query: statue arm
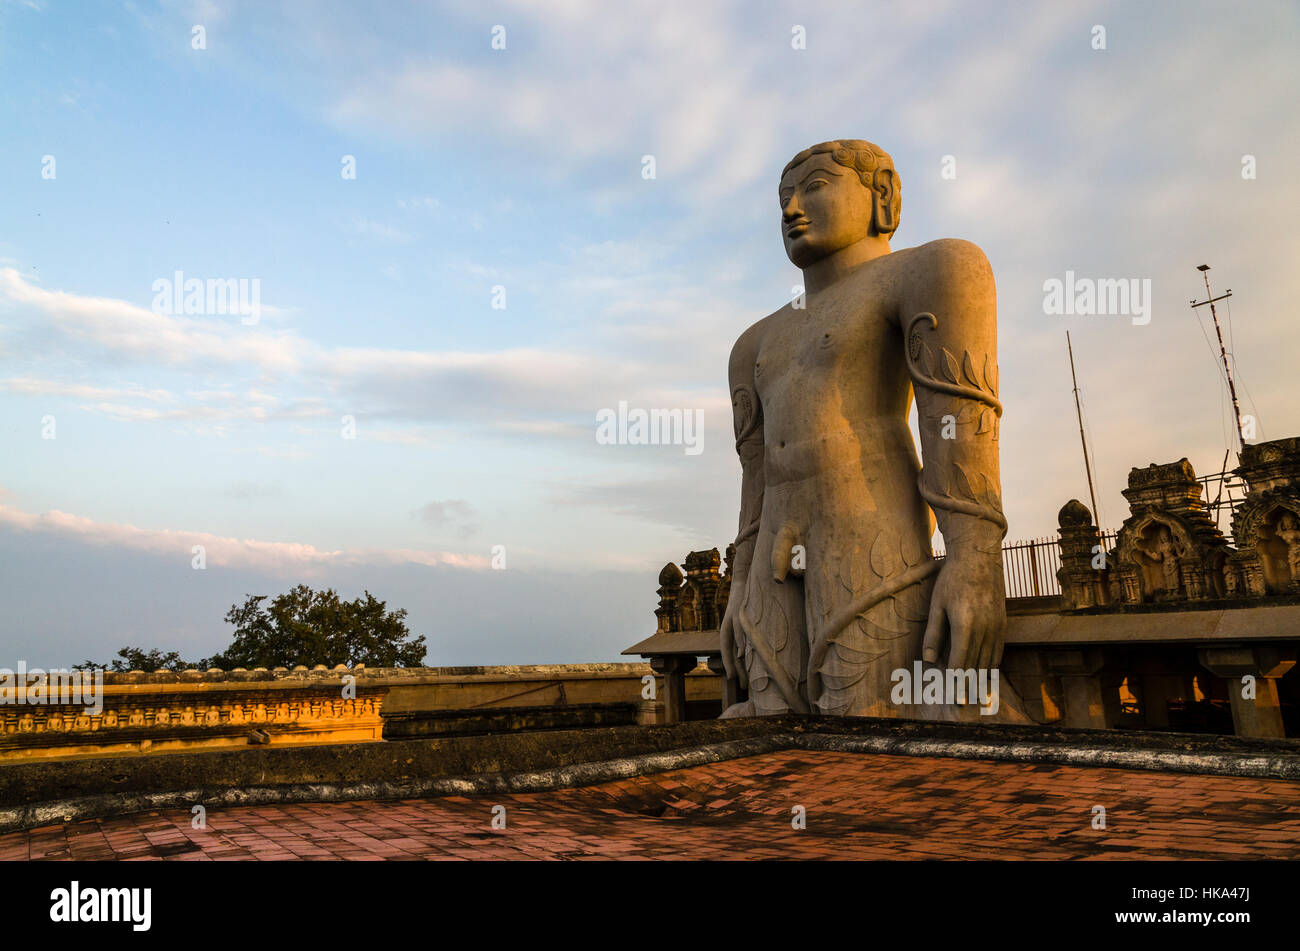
x: 747, y: 416
x: 950, y: 335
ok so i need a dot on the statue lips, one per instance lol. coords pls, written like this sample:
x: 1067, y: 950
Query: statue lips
x: 798, y: 228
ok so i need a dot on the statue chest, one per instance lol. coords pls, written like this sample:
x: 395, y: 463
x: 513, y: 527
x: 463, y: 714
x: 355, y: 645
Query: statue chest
x: 830, y: 342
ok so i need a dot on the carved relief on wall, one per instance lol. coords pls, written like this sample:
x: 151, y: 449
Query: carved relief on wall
x: 57, y: 719
x: 1169, y: 549
x: 1277, y: 546
x: 1266, y: 524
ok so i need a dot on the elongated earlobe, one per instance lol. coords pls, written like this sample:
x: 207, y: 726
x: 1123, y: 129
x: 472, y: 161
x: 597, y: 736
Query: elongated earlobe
x: 884, y: 194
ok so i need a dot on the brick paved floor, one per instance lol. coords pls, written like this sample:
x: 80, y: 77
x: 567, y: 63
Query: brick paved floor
x: 858, y: 806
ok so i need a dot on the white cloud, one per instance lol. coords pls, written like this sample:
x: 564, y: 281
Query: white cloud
x: 283, y: 559
x: 126, y: 329
x: 29, y: 386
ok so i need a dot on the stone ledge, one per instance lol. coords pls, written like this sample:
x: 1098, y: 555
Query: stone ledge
x: 32, y: 794
x: 381, y: 675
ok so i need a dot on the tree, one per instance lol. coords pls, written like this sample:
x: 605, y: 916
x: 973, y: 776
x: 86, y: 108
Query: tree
x: 137, y: 658
x: 310, y: 627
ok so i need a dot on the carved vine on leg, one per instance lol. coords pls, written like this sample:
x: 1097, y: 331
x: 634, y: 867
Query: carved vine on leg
x: 961, y: 496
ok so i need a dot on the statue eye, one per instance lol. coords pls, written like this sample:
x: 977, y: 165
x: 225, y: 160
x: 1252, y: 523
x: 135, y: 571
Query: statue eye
x: 815, y: 183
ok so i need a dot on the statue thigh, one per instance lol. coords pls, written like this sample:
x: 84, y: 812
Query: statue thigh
x: 851, y: 668
x: 776, y: 642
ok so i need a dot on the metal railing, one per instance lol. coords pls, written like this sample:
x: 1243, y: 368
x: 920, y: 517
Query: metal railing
x: 1029, y: 567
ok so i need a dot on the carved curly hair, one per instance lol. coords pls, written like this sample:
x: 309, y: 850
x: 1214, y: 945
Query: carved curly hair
x: 860, y: 155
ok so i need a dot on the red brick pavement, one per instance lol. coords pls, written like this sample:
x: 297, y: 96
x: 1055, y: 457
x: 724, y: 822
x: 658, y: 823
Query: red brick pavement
x: 858, y: 806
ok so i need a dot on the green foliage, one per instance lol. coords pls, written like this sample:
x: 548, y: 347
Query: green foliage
x: 137, y: 658
x: 301, y: 627
x: 316, y: 627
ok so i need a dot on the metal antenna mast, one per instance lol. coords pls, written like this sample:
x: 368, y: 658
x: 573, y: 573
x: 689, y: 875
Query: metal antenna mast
x: 1223, y: 351
x: 1078, y: 412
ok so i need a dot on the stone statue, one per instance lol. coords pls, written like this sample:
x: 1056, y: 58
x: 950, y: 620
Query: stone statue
x: 1231, y: 580
x: 1288, y: 529
x: 834, y: 587
x: 1167, y: 554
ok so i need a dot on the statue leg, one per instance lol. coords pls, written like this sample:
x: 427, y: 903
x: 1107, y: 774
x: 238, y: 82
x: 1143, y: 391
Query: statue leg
x: 854, y: 653
x: 856, y: 676
x: 866, y: 619
x: 775, y: 651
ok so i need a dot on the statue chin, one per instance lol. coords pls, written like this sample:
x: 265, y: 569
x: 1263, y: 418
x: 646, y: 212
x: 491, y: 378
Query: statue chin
x: 803, y: 254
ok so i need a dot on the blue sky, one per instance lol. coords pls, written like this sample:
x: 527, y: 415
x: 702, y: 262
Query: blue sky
x: 522, y: 168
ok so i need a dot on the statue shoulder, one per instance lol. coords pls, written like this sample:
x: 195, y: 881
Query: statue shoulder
x: 949, y: 277
x: 745, y: 350
x: 952, y: 255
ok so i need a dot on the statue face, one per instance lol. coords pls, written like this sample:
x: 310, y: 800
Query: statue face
x: 824, y: 209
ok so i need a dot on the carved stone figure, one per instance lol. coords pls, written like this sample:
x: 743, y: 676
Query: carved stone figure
x: 1288, y: 529
x: 833, y: 587
x: 1165, y: 553
x: 1231, y: 580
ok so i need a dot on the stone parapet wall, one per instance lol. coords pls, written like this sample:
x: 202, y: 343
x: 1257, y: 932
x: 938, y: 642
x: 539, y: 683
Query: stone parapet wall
x: 174, y: 712
x: 183, y: 711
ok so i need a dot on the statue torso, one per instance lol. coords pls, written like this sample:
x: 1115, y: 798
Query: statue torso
x: 835, y: 395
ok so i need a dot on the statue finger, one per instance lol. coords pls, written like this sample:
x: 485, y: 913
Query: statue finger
x: 934, y: 633
x: 960, y: 655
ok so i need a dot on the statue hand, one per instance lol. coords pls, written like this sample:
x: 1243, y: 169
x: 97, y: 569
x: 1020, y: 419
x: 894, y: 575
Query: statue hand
x: 968, y: 608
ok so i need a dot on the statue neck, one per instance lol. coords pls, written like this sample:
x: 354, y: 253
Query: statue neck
x: 834, y: 267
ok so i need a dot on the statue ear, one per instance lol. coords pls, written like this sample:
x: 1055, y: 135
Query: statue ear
x: 884, y: 193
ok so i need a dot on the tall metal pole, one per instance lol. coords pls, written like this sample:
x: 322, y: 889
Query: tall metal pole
x: 1223, y: 351
x: 1078, y: 412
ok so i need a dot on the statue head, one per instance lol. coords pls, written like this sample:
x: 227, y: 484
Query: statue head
x: 834, y: 195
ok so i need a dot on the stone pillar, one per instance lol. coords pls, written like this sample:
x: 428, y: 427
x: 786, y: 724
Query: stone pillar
x: 1157, y: 690
x: 1261, y: 716
x: 650, y: 713
x: 1091, y: 700
x: 670, y: 584
x: 674, y: 668
x: 1082, y: 585
x: 1038, y: 686
x: 1252, y: 572
x: 1130, y: 584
